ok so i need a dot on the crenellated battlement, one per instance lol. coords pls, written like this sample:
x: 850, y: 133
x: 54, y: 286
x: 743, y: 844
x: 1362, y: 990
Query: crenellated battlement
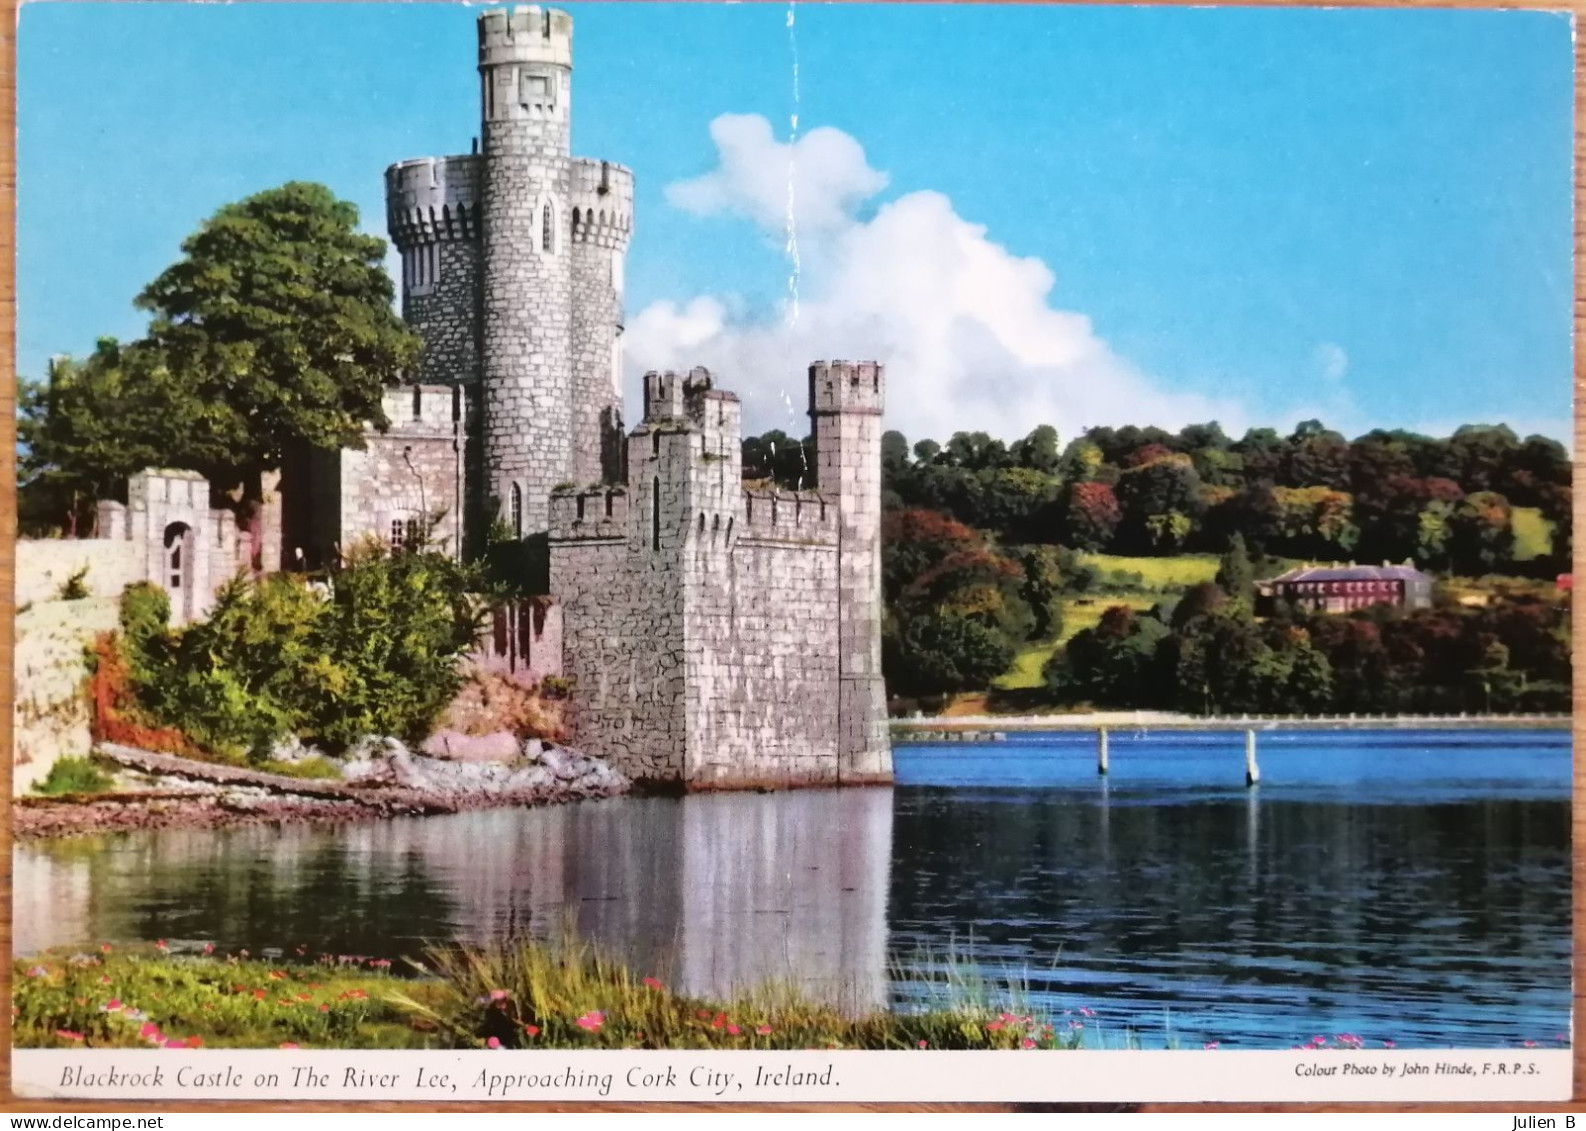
x: 525, y: 34
x: 424, y: 409
x: 846, y: 386
x: 667, y: 395
x: 601, y: 198
x: 430, y: 199
x: 790, y: 516
x: 586, y: 513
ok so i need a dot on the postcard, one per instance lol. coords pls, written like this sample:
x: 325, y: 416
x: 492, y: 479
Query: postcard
x: 877, y: 553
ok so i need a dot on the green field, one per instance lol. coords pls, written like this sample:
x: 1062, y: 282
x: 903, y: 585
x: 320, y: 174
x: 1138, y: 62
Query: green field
x: 1078, y: 613
x: 1159, y: 573
x: 1533, y: 534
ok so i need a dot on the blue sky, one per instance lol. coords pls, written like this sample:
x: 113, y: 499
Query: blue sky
x: 1075, y: 214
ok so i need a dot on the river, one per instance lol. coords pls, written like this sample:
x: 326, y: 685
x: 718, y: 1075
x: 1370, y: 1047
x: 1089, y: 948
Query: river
x: 1410, y: 887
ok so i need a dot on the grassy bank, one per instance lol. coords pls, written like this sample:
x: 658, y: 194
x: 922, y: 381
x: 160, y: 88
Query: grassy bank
x: 530, y: 996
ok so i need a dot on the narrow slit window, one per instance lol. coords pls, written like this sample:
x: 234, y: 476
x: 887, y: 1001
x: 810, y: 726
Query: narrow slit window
x: 655, y: 514
x: 547, y: 230
x: 517, y: 511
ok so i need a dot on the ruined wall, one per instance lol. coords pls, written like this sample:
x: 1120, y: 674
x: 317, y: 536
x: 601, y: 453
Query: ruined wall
x: 51, y: 714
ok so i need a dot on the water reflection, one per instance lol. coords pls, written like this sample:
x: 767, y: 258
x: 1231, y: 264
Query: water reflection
x: 1397, y: 886
x: 717, y: 893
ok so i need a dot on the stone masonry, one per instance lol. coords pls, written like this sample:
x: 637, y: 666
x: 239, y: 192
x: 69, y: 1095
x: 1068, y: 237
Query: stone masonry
x: 716, y: 635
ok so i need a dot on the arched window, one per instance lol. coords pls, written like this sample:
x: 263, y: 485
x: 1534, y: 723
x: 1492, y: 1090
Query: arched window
x: 517, y: 511
x: 547, y: 229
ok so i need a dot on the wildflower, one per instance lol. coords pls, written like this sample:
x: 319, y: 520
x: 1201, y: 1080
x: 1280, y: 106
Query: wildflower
x: 305, y: 997
x: 1027, y: 1043
x: 276, y: 975
x: 1530, y: 1044
x: 994, y: 1027
x: 703, y: 1014
x: 175, y: 1043
x: 1209, y: 1045
x: 209, y: 948
x: 733, y: 1029
x: 243, y: 953
x: 493, y: 1043
x: 104, y: 979
x: 498, y: 995
x: 150, y: 1031
x: 763, y: 1030
x: 260, y: 994
x: 1086, y: 1011
x: 111, y: 1006
x: 532, y: 1030
x: 654, y: 983
x: 195, y: 1042
x: 720, y: 1020
x: 1388, y: 1045
x: 323, y: 1008
x: 104, y: 948
x: 69, y: 1034
x: 290, y: 1045
x: 592, y: 1021
x: 925, y: 1044
x: 159, y: 945
x: 37, y: 972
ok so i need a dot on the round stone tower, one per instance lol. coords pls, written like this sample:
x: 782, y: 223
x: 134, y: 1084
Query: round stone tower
x: 602, y: 223
x: 432, y: 213
x: 526, y: 84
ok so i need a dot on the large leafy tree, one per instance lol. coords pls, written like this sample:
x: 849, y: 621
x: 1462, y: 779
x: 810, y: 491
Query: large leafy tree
x: 278, y: 319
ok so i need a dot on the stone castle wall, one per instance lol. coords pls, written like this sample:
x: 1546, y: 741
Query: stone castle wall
x: 409, y: 475
x: 601, y: 223
x: 702, y: 621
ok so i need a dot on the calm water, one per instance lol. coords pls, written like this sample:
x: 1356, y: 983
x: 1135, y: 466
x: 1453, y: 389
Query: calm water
x: 1408, y: 886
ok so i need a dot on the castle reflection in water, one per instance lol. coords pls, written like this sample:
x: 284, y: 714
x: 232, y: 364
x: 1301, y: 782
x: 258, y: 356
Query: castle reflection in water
x: 712, y: 892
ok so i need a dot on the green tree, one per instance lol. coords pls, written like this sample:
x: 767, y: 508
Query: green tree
x: 94, y: 423
x: 1236, y: 576
x: 278, y: 320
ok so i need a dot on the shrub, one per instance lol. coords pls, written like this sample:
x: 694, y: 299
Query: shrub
x: 145, y: 610
x: 376, y: 654
x: 73, y: 775
x: 556, y: 687
x: 75, y: 588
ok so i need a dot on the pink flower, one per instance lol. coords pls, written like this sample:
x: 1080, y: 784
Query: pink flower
x: 290, y: 1045
x: 159, y: 945
x: 925, y: 1044
x: 1027, y: 1043
x: 37, y: 972
x: 654, y: 983
x: 1086, y: 1011
x: 763, y: 1030
x: 592, y: 1021
x: 111, y: 1006
x: 150, y: 1031
x: 1530, y: 1044
x: 68, y: 1034
x: 1388, y: 1045
x: 1209, y: 1045
x: 532, y: 1030
x: 209, y: 948
x: 104, y: 948
x: 175, y: 1043
x: 493, y: 1043
x: 498, y: 995
x: 994, y: 1027
x: 734, y: 1030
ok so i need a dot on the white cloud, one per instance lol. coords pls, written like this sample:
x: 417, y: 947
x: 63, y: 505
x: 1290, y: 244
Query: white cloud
x: 816, y: 181
x: 1330, y: 361
x: 967, y: 329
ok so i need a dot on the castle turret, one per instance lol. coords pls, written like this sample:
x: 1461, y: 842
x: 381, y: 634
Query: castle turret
x: 845, y: 404
x: 602, y: 222
x: 525, y: 69
x: 432, y: 213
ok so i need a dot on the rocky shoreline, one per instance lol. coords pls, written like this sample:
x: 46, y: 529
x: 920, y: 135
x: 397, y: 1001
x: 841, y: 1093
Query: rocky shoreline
x: 380, y: 778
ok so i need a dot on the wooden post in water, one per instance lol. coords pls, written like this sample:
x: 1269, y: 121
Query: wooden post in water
x: 1252, y: 771
x: 1101, y: 751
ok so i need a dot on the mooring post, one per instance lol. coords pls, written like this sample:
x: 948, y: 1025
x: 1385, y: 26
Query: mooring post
x: 1252, y: 771
x: 1101, y: 751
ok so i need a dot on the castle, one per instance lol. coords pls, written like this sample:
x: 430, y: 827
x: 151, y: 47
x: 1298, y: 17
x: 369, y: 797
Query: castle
x: 715, y: 635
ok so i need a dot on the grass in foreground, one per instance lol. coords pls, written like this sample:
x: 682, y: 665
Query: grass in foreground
x: 529, y: 996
